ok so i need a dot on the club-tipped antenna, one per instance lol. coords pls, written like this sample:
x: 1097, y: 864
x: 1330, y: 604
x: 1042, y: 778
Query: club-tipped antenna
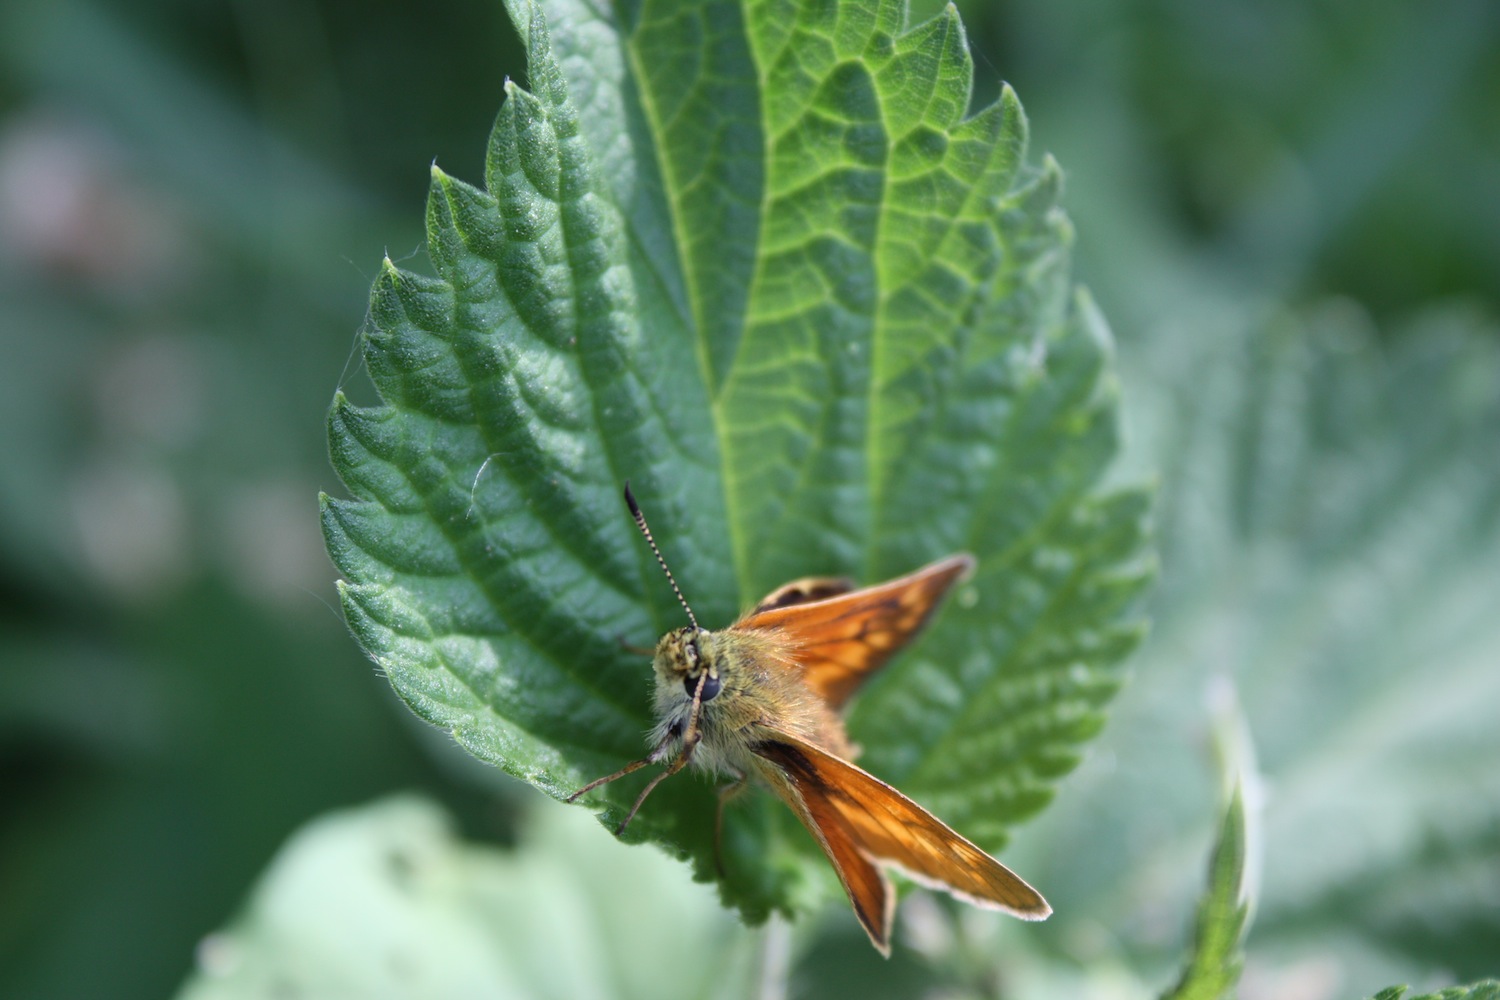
x: 640, y: 522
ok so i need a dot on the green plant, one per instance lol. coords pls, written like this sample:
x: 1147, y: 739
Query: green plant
x: 877, y: 360
x: 880, y: 361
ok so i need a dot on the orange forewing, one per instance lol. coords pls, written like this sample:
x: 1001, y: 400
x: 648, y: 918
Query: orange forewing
x: 862, y: 822
x: 839, y: 641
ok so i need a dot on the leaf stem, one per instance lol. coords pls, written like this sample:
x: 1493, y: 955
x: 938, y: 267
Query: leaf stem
x: 775, y: 960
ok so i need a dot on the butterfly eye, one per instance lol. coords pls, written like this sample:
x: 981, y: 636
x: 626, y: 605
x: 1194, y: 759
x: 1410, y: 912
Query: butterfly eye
x: 711, y: 686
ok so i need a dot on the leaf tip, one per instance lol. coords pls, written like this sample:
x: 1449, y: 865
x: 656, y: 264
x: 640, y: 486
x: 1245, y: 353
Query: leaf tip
x: 1010, y: 101
x: 1052, y: 171
x: 1093, y: 321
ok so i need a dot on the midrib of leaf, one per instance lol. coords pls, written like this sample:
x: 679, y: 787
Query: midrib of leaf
x: 878, y: 330
x: 698, y: 320
x: 695, y: 318
x: 774, y: 496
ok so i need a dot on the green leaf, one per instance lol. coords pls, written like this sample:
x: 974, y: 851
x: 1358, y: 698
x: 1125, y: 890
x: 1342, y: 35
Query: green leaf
x: 1487, y: 990
x: 1216, y: 960
x: 384, y: 901
x: 1330, y: 520
x: 761, y: 262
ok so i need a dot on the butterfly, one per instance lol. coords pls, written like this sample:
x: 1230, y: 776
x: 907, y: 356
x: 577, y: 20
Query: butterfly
x: 761, y: 701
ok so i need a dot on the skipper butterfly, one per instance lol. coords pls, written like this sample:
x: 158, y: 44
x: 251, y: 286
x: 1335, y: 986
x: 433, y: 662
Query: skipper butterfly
x: 761, y: 700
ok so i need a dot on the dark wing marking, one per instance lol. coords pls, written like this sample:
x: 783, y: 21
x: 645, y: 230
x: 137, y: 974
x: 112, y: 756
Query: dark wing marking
x: 809, y: 588
x: 869, y: 890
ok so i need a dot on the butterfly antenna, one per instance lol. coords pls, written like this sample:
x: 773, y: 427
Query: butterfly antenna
x: 640, y: 522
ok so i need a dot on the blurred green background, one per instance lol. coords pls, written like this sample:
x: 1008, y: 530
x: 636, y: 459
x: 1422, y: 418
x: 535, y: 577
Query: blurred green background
x: 1289, y: 211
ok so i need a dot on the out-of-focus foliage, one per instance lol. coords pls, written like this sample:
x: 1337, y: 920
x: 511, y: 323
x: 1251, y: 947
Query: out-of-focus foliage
x: 1328, y: 521
x: 1214, y: 966
x: 558, y: 917
x: 1283, y: 199
x: 1487, y: 990
x: 182, y: 189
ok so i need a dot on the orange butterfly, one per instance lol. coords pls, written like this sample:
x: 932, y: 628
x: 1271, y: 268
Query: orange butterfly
x: 762, y: 698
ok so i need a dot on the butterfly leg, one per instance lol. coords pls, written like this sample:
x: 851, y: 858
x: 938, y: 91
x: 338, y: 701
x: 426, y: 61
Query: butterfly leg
x: 726, y: 793
x: 656, y: 754
x: 690, y: 739
x: 671, y: 769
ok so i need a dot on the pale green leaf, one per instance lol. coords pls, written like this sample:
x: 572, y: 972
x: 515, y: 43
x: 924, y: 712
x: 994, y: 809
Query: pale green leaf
x: 1331, y: 537
x: 384, y: 901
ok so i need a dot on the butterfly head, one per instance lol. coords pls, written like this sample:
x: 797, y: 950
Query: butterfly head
x: 684, y: 656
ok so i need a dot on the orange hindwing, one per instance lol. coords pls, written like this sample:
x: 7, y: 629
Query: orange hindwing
x: 862, y: 823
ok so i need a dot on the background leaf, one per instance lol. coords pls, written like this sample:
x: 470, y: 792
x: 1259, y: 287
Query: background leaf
x: 385, y: 901
x: 1329, y: 520
x: 895, y: 369
x: 1479, y: 991
x: 1223, y: 913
